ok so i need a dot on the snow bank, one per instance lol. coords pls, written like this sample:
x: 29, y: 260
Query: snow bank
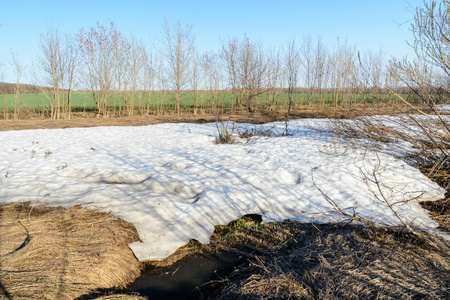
x: 174, y: 184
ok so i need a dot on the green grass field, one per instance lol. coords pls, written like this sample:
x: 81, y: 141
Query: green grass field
x: 159, y: 101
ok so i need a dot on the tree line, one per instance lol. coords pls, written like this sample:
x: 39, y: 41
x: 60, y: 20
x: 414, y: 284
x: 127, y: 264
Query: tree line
x: 120, y: 71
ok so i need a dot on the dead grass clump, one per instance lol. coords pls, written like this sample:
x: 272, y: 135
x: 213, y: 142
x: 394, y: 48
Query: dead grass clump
x: 271, y: 281
x: 440, y: 209
x: 57, y: 253
x: 291, y: 260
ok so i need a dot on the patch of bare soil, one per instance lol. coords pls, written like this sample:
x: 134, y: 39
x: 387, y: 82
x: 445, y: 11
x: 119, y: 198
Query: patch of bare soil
x: 92, y: 121
x: 58, y: 253
x: 89, y: 119
x: 291, y: 260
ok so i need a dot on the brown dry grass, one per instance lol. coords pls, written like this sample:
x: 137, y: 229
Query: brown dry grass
x: 291, y: 260
x: 57, y: 253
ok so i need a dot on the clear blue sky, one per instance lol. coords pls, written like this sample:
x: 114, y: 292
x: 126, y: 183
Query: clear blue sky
x: 366, y: 24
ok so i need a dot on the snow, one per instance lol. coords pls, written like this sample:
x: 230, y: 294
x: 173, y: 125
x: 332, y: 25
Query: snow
x: 443, y: 108
x: 174, y: 184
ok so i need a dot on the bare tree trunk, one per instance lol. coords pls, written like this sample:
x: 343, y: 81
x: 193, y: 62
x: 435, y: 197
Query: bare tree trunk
x: 18, y: 70
x: 292, y: 65
x: 179, y: 51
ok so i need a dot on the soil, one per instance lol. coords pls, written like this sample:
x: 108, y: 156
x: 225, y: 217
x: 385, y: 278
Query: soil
x: 79, y: 121
x: 91, y: 120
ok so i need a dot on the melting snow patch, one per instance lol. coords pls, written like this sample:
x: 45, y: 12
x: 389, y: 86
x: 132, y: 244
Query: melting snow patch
x: 174, y: 185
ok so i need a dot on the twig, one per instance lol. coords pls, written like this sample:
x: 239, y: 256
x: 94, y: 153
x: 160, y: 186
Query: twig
x: 382, y: 196
x: 353, y: 216
x: 36, y: 201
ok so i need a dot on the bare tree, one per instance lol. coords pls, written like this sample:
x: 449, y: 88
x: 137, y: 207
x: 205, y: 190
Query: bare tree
x: 372, y: 64
x: 246, y: 68
x: 71, y: 68
x: 179, y: 49
x: 195, y: 78
x: 18, y: 69
x: 161, y: 84
x: 132, y: 63
x: 58, y: 63
x: 342, y: 62
x: 51, y: 63
x: 212, y: 78
x: 275, y: 77
x: 307, y: 62
x: 292, y: 66
x: 315, y: 66
x: 5, y: 101
x: 101, y: 48
x: 149, y: 79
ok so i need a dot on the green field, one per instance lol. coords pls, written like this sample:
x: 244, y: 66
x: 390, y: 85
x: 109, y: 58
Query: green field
x: 164, y: 102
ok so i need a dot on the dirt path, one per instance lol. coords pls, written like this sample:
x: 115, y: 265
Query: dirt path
x: 90, y: 119
x: 79, y: 121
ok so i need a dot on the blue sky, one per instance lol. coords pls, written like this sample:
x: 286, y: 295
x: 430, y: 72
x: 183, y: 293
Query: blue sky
x: 366, y: 24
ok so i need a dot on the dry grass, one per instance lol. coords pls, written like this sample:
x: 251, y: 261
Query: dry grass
x: 291, y: 260
x: 439, y: 211
x: 57, y: 253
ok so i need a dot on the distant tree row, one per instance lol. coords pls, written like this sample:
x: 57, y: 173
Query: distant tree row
x: 119, y: 70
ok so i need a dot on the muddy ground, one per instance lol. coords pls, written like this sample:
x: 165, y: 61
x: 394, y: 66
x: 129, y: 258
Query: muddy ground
x: 91, y: 120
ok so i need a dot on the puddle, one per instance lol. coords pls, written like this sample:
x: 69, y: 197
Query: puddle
x: 185, y: 279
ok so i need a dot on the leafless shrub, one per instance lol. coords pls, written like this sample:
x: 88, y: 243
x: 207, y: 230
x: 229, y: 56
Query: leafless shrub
x: 334, y: 149
x: 385, y: 194
x: 389, y: 196
x: 350, y: 216
x: 254, y: 131
x: 224, y: 134
x: 375, y: 129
